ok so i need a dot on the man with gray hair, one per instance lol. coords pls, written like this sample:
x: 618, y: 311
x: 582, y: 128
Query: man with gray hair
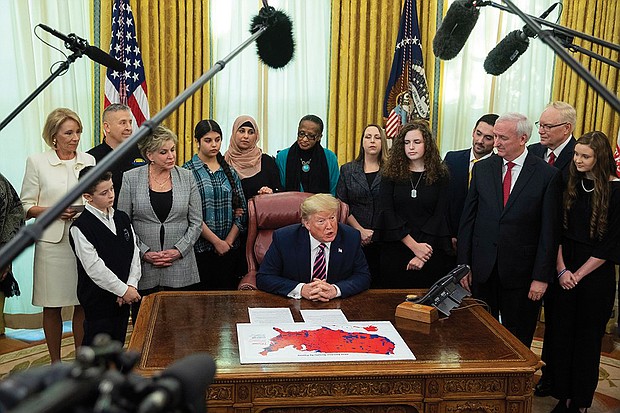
x: 318, y: 260
x: 117, y: 126
x: 510, y: 227
x: 557, y: 143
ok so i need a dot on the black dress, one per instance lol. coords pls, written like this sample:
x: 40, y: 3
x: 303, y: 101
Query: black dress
x: 424, y: 218
x: 580, y: 314
x: 267, y: 176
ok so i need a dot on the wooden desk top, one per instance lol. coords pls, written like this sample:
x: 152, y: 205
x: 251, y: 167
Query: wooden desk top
x: 172, y: 325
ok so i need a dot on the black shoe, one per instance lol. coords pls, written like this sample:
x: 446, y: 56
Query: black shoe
x: 560, y: 407
x: 543, y: 388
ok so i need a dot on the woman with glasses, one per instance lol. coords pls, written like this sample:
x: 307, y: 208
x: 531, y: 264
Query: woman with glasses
x: 257, y: 170
x: 358, y: 186
x: 306, y: 166
x: 584, y: 295
x: 417, y: 247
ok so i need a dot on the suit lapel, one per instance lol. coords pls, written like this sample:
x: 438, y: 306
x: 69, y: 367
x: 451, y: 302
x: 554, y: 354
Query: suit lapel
x: 496, y: 164
x: 529, y: 166
x: 359, y: 176
x: 303, y: 253
x: 567, y: 154
x: 335, y: 257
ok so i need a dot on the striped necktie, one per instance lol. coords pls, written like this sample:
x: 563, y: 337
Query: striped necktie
x: 319, y: 270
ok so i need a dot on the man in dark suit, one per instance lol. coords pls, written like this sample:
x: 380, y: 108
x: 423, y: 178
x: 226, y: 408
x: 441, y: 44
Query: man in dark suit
x: 557, y: 143
x: 117, y: 125
x: 510, y: 228
x: 556, y: 147
x: 460, y: 163
x: 318, y: 260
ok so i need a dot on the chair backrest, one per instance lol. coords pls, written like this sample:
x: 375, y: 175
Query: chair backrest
x: 266, y: 213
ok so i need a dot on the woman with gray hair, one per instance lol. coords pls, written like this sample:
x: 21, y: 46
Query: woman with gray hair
x: 163, y: 203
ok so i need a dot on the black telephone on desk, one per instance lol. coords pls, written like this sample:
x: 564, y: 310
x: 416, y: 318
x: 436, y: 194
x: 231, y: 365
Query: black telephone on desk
x: 447, y: 292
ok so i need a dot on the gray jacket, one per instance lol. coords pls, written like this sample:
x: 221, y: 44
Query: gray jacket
x: 182, y: 227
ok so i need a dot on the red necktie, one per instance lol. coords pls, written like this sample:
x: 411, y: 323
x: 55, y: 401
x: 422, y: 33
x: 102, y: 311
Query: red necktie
x: 507, y: 181
x: 319, y: 270
x: 551, y: 160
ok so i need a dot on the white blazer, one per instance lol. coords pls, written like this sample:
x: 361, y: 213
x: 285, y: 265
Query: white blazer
x: 46, y: 182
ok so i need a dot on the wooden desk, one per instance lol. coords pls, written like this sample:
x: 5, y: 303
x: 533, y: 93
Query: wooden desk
x: 465, y: 363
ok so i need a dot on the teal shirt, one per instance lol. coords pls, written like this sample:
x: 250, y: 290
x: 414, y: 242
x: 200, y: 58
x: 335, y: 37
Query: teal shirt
x: 332, y: 166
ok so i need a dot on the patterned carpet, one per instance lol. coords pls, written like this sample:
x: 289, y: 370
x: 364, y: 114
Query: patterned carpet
x: 607, y: 398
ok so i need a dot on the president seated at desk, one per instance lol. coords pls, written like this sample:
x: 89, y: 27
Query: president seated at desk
x: 318, y: 260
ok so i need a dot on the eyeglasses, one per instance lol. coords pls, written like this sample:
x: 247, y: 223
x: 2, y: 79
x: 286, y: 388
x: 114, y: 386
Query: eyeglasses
x: 549, y: 127
x: 301, y: 134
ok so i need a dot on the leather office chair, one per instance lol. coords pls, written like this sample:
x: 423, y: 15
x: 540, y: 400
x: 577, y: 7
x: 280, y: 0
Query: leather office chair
x: 266, y: 213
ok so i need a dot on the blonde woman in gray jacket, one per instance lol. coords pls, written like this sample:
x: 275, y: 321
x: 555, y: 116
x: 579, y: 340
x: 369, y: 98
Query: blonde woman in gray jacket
x: 164, y: 205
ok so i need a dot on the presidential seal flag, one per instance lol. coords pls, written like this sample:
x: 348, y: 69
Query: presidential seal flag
x: 127, y: 87
x: 406, y: 95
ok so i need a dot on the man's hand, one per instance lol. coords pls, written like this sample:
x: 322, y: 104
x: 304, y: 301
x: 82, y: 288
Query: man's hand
x: 466, y: 282
x: 318, y: 290
x: 537, y: 290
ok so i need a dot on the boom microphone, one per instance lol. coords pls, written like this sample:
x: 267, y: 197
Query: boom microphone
x: 455, y: 29
x: 276, y: 46
x: 506, y: 52
x: 183, y: 384
x: 76, y: 43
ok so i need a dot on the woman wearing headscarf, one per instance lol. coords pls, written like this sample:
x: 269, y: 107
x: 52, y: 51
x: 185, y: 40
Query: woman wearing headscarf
x: 257, y: 170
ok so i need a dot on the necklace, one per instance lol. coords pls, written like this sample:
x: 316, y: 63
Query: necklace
x: 305, y: 165
x: 161, y: 184
x: 584, y: 187
x: 414, y: 189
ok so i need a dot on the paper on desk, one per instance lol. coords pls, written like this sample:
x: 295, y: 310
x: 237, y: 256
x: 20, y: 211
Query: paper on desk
x: 273, y: 315
x: 324, y: 317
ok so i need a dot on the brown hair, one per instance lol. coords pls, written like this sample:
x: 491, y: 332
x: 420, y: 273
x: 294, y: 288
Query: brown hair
x: 383, y: 156
x: 603, y: 168
x: 397, y: 167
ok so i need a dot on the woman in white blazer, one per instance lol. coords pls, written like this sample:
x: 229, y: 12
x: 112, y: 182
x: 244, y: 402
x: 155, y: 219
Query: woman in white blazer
x: 164, y: 205
x: 48, y: 177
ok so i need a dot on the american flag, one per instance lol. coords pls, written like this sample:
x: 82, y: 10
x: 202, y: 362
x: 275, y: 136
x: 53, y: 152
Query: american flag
x: 617, y: 155
x: 407, y: 78
x: 128, y: 87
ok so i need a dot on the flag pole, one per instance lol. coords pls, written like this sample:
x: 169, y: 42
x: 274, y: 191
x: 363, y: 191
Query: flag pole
x: 29, y: 234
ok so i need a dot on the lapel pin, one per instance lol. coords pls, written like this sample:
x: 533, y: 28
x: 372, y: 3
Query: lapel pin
x: 339, y: 249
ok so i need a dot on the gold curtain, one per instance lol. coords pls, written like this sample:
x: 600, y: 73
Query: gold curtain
x: 174, y: 41
x: 601, y: 19
x: 363, y: 36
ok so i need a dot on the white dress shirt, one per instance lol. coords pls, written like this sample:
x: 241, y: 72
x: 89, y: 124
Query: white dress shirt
x: 94, y: 265
x: 314, y: 250
x: 557, y: 151
x: 516, y: 169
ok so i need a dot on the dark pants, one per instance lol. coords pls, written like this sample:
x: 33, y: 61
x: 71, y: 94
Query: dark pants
x: 518, y: 313
x: 220, y: 272
x: 115, y: 326
x: 579, y: 319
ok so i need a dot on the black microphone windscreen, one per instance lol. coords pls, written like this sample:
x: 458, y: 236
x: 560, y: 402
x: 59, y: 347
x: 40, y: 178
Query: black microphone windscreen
x: 506, y: 53
x: 101, y: 57
x: 275, y: 46
x: 195, y: 372
x: 455, y: 29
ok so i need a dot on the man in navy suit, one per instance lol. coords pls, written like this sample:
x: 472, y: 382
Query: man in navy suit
x: 460, y: 164
x: 556, y: 147
x: 557, y: 143
x: 318, y: 260
x: 510, y: 228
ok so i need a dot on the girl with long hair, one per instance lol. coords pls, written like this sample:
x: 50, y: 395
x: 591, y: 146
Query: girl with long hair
x: 584, y: 295
x: 217, y: 250
x: 414, y: 195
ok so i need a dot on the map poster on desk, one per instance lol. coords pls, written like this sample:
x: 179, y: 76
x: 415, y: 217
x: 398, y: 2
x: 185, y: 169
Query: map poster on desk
x: 307, y: 343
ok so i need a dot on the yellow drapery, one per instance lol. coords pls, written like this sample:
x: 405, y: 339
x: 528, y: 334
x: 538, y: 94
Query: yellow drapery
x: 363, y: 36
x: 174, y: 41
x: 601, y: 19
